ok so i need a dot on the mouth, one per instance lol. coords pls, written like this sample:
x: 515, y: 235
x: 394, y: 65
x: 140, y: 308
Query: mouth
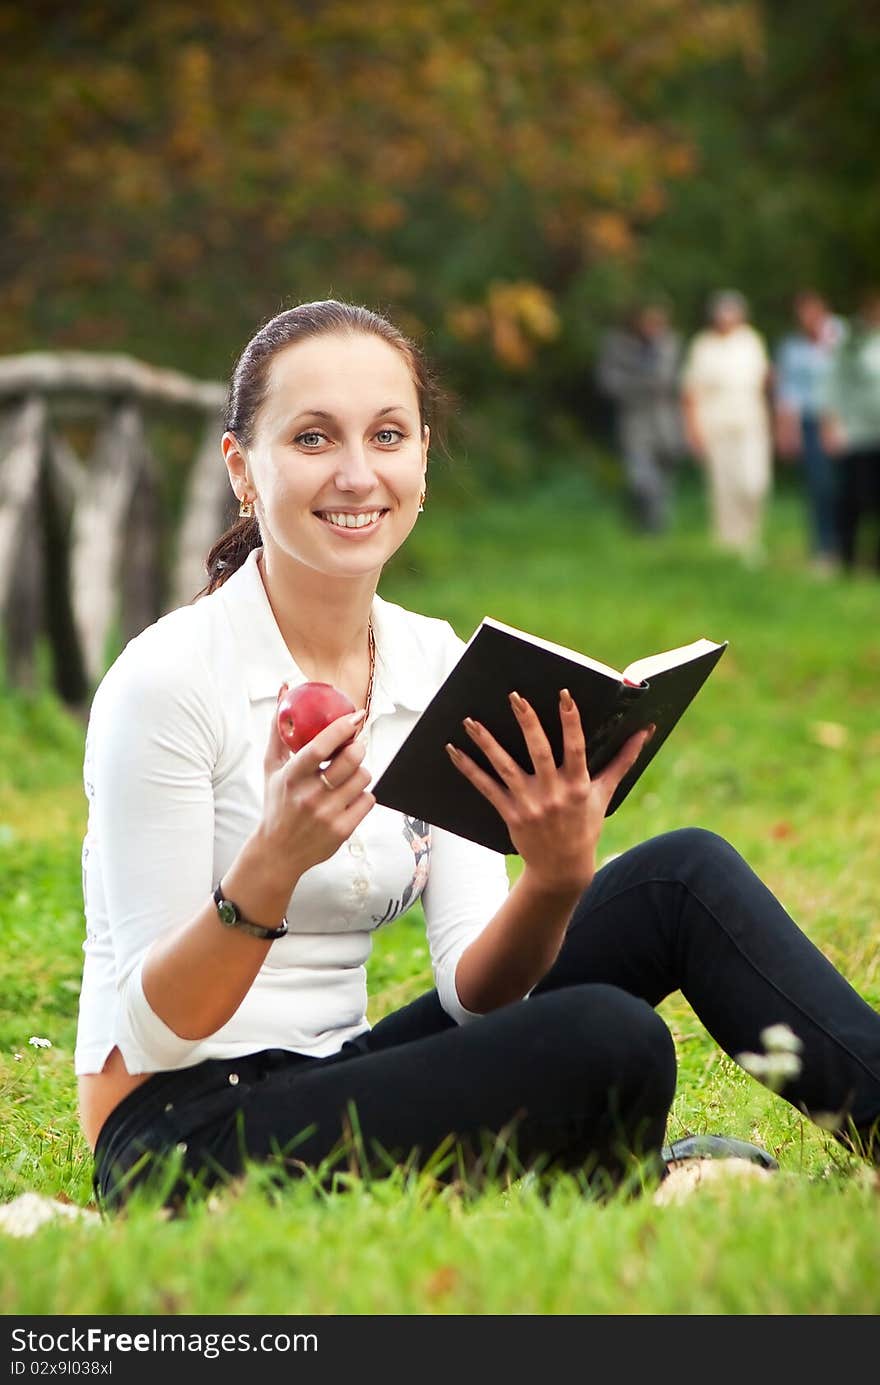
x: 351, y: 522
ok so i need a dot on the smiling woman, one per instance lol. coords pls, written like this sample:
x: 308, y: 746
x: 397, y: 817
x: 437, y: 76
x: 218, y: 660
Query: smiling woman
x: 232, y: 885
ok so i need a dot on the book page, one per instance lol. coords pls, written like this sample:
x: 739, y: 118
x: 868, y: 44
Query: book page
x: 572, y: 654
x: 644, y: 669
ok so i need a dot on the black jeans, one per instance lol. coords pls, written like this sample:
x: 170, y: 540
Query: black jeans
x: 858, y: 502
x: 579, y: 1076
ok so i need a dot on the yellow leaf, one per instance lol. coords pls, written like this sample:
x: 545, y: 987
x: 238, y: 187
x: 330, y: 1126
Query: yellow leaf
x: 831, y: 734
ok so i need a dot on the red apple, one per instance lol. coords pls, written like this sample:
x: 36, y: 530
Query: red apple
x: 305, y: 710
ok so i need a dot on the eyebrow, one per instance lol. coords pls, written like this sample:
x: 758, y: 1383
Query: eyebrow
x: 322, y: 413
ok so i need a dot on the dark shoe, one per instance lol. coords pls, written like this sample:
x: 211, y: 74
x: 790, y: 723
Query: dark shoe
x: 716, y: 1147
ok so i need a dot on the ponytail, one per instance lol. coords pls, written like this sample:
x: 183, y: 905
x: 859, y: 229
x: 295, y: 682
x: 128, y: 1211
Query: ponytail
x: 229, y: 553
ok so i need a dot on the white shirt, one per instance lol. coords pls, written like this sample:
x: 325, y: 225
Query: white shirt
x: 726, y: 373
x: 173, y: 773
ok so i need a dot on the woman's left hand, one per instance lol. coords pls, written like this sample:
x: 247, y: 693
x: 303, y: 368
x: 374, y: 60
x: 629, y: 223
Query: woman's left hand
x: 556, y: 814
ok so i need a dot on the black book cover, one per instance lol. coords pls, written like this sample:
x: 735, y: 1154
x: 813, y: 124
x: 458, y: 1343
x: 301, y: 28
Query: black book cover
x: 420, y: 779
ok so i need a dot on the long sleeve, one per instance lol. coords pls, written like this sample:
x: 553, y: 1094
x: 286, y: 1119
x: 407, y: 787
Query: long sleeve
x: 466, y: 886
x: 151, y: 747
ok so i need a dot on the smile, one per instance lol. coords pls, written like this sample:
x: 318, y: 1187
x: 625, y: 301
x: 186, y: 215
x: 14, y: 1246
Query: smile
x: 347, y: 519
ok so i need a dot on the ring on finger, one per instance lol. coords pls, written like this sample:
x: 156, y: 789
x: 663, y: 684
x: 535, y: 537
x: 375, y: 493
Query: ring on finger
x: 325, y: 781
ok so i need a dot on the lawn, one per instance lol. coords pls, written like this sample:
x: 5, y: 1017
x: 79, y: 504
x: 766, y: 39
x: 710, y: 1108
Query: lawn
x: 780, y: 753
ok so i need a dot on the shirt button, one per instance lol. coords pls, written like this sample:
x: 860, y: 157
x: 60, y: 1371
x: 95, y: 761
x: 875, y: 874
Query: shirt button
x: 233, y: 1079
x: 362, y: 886
x: 356, y: 848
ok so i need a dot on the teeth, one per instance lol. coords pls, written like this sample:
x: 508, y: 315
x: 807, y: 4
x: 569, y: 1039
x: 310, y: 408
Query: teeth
x: 348, y: 521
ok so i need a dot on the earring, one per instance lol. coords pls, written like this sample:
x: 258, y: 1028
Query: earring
x: 246, y: 509
x: 422, y: 503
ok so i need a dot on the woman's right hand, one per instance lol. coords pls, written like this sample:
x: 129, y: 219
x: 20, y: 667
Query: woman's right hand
x: 304, y: 821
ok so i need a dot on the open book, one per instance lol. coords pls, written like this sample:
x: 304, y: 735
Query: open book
x: 420, y: 779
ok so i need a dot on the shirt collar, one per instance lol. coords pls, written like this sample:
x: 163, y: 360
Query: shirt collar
x: 400, y: 680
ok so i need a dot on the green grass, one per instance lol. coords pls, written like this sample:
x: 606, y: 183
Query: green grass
x: 754, y: 759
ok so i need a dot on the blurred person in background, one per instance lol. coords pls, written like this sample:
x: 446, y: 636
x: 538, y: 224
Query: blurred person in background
x: 801, y: 364
x: 851, y: 427
x: 725, y: 400
x: 638, y: 369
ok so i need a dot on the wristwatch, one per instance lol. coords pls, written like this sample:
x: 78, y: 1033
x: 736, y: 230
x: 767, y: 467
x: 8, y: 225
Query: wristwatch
x: 231, y: 917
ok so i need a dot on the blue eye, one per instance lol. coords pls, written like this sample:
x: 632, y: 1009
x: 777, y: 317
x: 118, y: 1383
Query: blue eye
x: 387, y: 436
x: 311, y: 439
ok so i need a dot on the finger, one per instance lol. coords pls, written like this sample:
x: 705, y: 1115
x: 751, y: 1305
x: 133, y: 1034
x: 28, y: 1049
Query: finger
x: 534, y: 736
x: 323, y: 746
x: 487, y: 786
x: 343, y: 763
x: 505, y: 765
x: 343, y: 791
x: 574, y: 746
x: 356, y: 812
x: 277, y: 750
x: 623, y: 760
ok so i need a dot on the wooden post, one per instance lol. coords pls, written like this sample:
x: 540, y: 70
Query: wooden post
x: 21, y: 555
x: 83, y: 549
x: 208, y: 500
x: 141, y: 584
x: 98, y: 528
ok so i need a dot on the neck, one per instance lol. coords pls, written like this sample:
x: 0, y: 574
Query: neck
x: 324, y: 622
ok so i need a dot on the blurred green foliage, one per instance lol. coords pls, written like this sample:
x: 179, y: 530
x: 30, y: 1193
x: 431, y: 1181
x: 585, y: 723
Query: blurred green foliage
x: 500, y: 178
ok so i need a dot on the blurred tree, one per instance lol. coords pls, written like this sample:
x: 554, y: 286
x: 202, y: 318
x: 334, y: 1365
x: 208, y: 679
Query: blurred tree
x: 181, y: 170
x: 787, y: 194
x: 501, y: 178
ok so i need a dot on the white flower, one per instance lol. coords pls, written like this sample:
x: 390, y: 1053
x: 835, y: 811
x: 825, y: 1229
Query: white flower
x: 39, y: 1043
x: 773, y: 1069
x: 778, y: 1038
x: 17, y: 1057
x: 828, y: 1120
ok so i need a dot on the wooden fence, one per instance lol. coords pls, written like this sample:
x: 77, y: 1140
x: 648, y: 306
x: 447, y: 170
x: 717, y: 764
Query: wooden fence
x: 85, y: 540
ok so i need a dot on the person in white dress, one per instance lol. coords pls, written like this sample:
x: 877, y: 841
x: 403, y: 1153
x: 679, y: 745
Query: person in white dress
x: 725, y: 401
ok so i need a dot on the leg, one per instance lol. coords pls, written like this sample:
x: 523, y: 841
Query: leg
x: 873, y: 463
x: 819, y: 481
x: 579, y: 1079
x: 753, y: 474
x: 684, y: 911
x: 848, y: 507
x: 718, y: 478
x: 644, y: 479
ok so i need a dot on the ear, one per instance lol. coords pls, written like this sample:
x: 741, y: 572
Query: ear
x: 236, y: 464
x: 426, y: 442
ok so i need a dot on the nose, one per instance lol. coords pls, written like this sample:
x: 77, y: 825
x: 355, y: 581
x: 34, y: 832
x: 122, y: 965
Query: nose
x: 355, y: 472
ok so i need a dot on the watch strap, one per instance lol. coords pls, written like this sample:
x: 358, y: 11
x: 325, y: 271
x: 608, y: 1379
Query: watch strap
x: 231, y: 917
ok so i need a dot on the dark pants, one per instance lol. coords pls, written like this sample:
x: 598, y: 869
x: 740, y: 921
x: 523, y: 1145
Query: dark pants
x: 820, y: 484
x: 579, y: 1076
x: 859, y: 500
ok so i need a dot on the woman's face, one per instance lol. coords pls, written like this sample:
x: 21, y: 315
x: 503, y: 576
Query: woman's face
x: 339, y: 455
x: 727, y: 315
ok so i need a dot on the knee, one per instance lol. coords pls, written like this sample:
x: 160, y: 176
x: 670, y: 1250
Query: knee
x: 603, y: 1028
x: 649, y: 1050
x: 690, y: 851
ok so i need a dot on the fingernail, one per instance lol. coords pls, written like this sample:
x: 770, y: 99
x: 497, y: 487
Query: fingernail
x: 355, y: 717
x: 516, y: 702
x: 453, y: 753
x: 470, y: 725
x: 566, y: 699
x: 651, y: 729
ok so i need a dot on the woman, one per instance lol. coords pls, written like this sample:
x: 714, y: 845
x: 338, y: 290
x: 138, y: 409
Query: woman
x: 851, y: 433
x: 725, y: 384
x: 801, y: 369
x: 231, y: 886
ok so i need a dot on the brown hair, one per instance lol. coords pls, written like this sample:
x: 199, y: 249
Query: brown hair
x: 249, y: 383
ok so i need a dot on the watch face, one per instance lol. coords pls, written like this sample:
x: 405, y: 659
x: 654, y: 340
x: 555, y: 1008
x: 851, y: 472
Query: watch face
x: 227, y: 912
